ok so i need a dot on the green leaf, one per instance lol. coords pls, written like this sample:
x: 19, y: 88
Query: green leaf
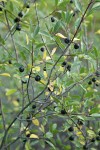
x: 36, y: 30
x: 10, y: 92
x: 49, y: 135
x: 51, y: 144
x: 78, y: 5
x: 95, y: 115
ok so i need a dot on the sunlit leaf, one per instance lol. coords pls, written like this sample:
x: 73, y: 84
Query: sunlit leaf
x: 34, y: 136
x: 10, y: 91
x: 5, y: 74
x: 35, y: 121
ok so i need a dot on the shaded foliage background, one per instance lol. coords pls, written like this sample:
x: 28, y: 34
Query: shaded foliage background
x: 46, y: 84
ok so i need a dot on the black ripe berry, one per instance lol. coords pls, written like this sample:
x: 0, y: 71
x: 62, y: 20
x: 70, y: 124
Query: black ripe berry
x: 90, y: 82
x: 69, y: 67
x: 97, y: 84
x: 93, y: 80
x: 33, y: 106
x: 67, y: 40
x: 71, y: 1
x: 71, y: 138
x: 93, y: 140
x: 21, y: 69
x: 80, y: 122
x: 99, y: 133
x: 16, y: 19
x: 25, y: 140
x: 85, y: 147
x: 42, y: 49
x: 20, y: 14
x: 76, y: 46
x: 18, y: 27
x: 63, y: 64
x: 44, y: 69
x: 27, y: 6
x: 37, y: 78
x: 63, y: 111
x: 0, y: 8
x: 24, y: 82
x: 28, y: 135
x: 52, y: 19
x: 28, y: 119
x: 9, y: 62
x: 70, y: 129
x: 98, y: 138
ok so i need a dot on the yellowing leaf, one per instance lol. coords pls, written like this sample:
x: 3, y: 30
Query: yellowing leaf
x: 43, y: 82
x: 48, y: 58
x: 98, y: 32
x: 42, y: 128
x: 37, y: 69
x: 34, y: 136
x: 26, y: 77
x: 76, y: 39
x: 10, y: 92
x: 60, y: 35
x: 27, y: 39
x: 44, y: 55
x: 45, y: 74
x: 5, y: 74
x: 15, y: 103
x: 53, y: 51
x: 35, y: 121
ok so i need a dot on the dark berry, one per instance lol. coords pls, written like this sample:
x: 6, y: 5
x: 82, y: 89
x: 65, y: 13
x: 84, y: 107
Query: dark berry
x: 28, y: 135
x: 16, y: 19
x: 98, y: 138
x: 85, y: 147
x: 17, y: 99
x: 21, y: 69
x: 80, y: 122
x: 27, y: 6
x: 44, y: 69
x: 18, y: 27
x: 76, y: 46
x: 71, y: 1
x: 74, y: 14
x: 52, y: 19
x: 90, y: 82
x: 71, y: 138
x: 69, y: 67
x: 49, y: 89
x: 0, y: 8
x: 37, y: 78
x: 67, y: 40
x: 93, y: 140
x: 9, y: 62
x: 63, y: 64
x: 42, y: 49
x: 25, y: 140
x: 33, y: 106
x: 24, y: 82
x: 20, y: 14
x: 97, y: 84
x: 71, y: 129
x: 93, y: 80
x: 63, y: 112
x: 28, y: 119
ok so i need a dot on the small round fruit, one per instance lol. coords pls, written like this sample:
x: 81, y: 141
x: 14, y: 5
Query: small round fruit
x: 69, y: 67
x: 10, y: 62
x: 24, y: 82
x: 42, y: 49
x: 17, y: 19
x: 18, y: 27
x: 70, y: 129
x: 80, y: 122
x: 71, y: 1
x: 37, y: 78
x: 71, y: 138
x: 67, y: 40
x: 93, y: 80
x: 52, y: 19
x: 28, y: 135
x: 27, y: 6
x: 44, y: 69
x: 0, y: 8
x: 98, y: 138
x: 63, y: 111
x: 63, y: 64
x: 97, y: 84
x: 90, y: 82
x: 93, y: 140
x: 76, y: 46
x: 20, y: 14
x: 21, y: 69
x: 99, y: 133
x: 33, y: 106
x: 25, y: 140
x: 28, y: 119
